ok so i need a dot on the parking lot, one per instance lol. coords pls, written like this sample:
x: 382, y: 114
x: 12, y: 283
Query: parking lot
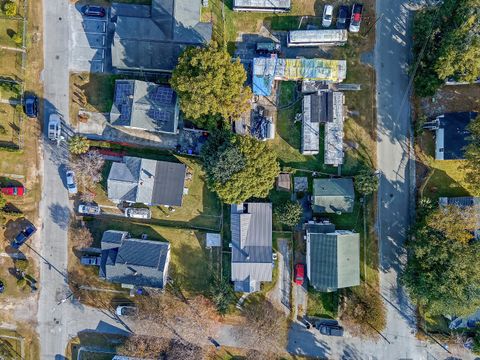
x: 90, y: 42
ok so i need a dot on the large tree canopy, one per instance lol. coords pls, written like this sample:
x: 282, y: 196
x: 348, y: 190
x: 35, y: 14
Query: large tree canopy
x: 443, y: 272
x: 239, y: 167
x: 210, y: 85
x: 446, y: 44
x: 472, y: 155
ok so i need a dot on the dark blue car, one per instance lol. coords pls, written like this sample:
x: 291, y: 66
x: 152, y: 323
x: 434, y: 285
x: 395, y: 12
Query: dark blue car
x: 31, y: 106
x: 23, y: 236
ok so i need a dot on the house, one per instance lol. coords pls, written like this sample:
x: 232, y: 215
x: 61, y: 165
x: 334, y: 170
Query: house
x: 326, y: 108
x: 145, y: 106
x: 134, y: 262
x: 151, y: 182
x: 262, y: 5
x: 333, y: 257
x: 151, y: 38
x: 251, y: 226
x: 451, y: 134
x: 333, y: 196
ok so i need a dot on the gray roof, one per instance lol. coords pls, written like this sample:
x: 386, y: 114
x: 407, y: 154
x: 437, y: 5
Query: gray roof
x: 154, y: 43
x: 333, y: 195
x: 146, y: 181
x: 251, y: 226
x: 112, y: 239
x: 145, y: 105
x: 135, y: 262
x: 333, y: 259
x: 262, y: 4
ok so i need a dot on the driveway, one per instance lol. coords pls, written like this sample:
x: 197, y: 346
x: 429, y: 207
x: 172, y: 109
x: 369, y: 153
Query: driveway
x: 90, y: 41
x: 281, y: 292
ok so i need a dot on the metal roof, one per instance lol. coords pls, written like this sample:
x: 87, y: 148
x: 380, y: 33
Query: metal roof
x: 136, y: 262
x: 310, y: 127
x: 262, y: 4
x: 333, y: 259
x: 251, y: 226
x: 334, y: 130
x: 146, y: 181
x: 316, y: 37
x: 333, y: 195
x: 154, y: 43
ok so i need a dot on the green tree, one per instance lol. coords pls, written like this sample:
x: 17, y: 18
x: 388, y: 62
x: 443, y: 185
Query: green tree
x: 210, y: 86
x: 446, y: 44
x: 253, y: 176
x: 10, y: 8
x: 442, y: 273
x: 3, y: 201
x: 366, y: 182
x: 17, y: 38
x: 472, y: 156
x: 289, y: 213
x: 221, y: 293
x: 21, y: 265
x: 78, y: 145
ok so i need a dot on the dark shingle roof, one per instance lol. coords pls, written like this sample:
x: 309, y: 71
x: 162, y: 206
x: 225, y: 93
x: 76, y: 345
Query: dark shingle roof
x: 333, y: 195
x: 134, y: 261
x: 456, y: 133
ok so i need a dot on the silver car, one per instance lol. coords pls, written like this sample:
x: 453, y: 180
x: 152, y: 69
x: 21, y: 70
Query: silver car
x: 71, y: 184
x: 89, y: 209
x: 327, y: 16
x: 54, y: 127
x: 138, y: 213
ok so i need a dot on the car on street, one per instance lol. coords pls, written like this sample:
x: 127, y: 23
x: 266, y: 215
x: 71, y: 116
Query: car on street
x: 12, y: 190
x: 54, y: 127
x: 342, y: 17
x: 23, y: 236
x: 330, y: 329
x: 138, y: 213
x: 89, y: 209
x: 126, y: 310
x: 356, y: 18
x: 299, y: 274
x: 93, y: 10
x: 90, y: 260
x: 71, y: 184
x: 30, y: 105
x: 327, y: 15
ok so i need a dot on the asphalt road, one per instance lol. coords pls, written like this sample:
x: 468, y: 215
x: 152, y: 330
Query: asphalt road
x: 59, y: 319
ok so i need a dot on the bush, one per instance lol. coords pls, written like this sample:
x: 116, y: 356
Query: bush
x: 10, y: 8
x: 21, y: 283
x: 3, y: 131
x: 290, y: 213
x: 17, y: 38
x: 21, y: 265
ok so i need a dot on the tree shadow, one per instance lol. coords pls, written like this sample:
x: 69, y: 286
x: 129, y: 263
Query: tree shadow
x: 60, y: 215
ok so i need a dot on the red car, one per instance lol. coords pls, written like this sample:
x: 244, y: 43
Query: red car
x: 299, y: 274
x: 13, y: 190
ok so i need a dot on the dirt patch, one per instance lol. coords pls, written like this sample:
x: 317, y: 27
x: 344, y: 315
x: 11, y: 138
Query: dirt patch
x: 452, y: 99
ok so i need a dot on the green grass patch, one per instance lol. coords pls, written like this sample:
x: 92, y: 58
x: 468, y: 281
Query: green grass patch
x: 189, y: 265
x: 11, y: 64
x: 447, y: 179
x: 323, y: 305
x: 9, y: 125
x: 8, y: 29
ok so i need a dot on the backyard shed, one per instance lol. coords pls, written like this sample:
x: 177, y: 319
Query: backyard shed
x: 333, y: 196
x: 284, y: 182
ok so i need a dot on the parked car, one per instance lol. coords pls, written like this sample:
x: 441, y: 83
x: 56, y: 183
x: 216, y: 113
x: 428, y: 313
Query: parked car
x: 330, y: 329
x: 342, y: 17
x: 30, y: 105
x: 23, y: 236
x: 267, y: 48
x: 2, y: 287
x: 126, y: 310
x: 93, y: 10
x: 327, y: 15
x: 138, y: 213
x: 299, y: 274
x: 71, y: 185
x: 356, y: 18
x: 90, y: 260
x: 13, y: 190
x: 89, y: 209
x: 54, y: 127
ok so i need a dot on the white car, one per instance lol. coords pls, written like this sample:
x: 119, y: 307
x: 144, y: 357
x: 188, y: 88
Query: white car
x: 138, y: 213
x: 327, y: 16
x: 71, y: 185
x: 126, y: 310
x: 88, y: 209
x: 54, y: 127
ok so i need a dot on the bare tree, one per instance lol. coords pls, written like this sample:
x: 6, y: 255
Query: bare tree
x: 87, y: 196
x: 88, y: 168
x: 80, y: 236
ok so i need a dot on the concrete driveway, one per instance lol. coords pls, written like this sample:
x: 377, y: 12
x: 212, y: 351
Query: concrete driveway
x: 90, y: 41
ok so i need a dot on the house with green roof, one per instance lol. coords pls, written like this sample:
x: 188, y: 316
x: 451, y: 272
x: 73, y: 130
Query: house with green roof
x: 333, y: 257
x: 333, y: 196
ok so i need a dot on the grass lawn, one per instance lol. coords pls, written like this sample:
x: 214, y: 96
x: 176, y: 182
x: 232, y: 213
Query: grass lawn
x: 9, y: 125
x: 8, y: 28
x: 93, y: 339
x: 323, y: 305
x: 189, y: 265
x: 11, y: 64
x: 23, y: 334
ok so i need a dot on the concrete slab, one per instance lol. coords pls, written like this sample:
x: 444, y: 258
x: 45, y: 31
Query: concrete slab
x: 92, y: 40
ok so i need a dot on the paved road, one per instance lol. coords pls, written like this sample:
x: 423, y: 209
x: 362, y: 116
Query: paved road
x: 392, y: 51
x: 58, y: 321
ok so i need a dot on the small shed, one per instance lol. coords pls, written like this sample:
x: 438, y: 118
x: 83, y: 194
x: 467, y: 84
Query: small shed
x: 213, y: 240
x: 284, y: 182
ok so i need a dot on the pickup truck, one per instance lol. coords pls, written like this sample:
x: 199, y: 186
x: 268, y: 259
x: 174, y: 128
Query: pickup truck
x: 23, y: 236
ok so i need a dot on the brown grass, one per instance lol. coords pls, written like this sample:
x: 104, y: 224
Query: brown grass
x: 451, y: 99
